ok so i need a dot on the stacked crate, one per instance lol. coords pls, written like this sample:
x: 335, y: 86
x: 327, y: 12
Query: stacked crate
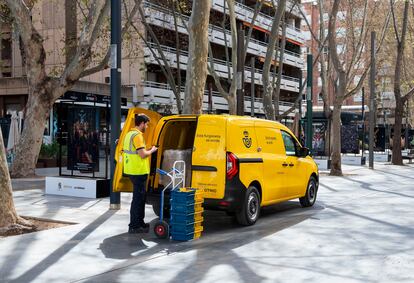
x: 186, y: 212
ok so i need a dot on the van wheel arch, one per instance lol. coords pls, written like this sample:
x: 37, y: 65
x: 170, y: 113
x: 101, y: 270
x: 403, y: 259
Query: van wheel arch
x: 315, y: 176
x: 250, y: 210
x: 309, y: 198
x: 257, y: 185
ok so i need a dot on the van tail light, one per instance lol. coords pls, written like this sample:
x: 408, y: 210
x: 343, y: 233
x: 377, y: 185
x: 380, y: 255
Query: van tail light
x: 232, y: 167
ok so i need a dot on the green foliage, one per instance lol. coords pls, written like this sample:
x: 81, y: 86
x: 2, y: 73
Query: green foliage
x: 49, y: 150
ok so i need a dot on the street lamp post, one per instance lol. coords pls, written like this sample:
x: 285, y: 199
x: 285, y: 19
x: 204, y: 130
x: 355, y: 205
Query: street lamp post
x: 115, y: 198
x: 406, y: 124
x: 363, y: 122
x: 309, y: 114
x: 372, y: 103
x: 240, y: 71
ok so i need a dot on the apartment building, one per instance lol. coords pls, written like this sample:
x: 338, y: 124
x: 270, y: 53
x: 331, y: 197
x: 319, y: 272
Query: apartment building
x: 311, y: 10
x: 161, y: 20
x: 142, y: 78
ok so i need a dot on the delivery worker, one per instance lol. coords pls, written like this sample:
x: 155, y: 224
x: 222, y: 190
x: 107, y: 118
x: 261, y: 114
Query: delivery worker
x: 136, y: 167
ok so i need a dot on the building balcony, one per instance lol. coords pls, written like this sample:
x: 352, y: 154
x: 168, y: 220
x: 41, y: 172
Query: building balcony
x: 162, y: 93
x: 245, y: 14
x: 220, y: 66
x: 291, y: 7
x: 161, y: 17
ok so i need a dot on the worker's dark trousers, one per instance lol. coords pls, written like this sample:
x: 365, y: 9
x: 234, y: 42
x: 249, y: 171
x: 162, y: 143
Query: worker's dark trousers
x: 137, y: 210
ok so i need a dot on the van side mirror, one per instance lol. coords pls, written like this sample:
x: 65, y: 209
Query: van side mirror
x: 303, y: 152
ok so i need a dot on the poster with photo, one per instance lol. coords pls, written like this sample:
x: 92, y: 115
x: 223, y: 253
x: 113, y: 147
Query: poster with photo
x: 349, y: 139
x: 379, y: 139
x: 411, y: 139
x: 83, y: 139
x: 319, y: 138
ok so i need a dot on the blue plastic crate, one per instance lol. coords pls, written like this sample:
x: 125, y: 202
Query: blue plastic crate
x: 182, y: 236
x: 182, y: 207
x: 176, y: 216
x: 182, y: 197
x: 188, y: 229
x: 181, y: 217
x: 186, y: 208
x: 185, y: 226
x: 198, y: 218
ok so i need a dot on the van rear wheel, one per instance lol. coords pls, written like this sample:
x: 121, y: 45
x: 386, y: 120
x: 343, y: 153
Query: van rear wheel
x: 311, y: 192
x: 250, y: 210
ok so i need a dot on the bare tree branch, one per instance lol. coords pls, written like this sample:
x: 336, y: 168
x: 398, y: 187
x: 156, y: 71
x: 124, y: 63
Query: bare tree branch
x: 257, y: 9
x: 314, y: 36
x: 32, y: 41
x: 276, y: 95
x: 177, y: 53
x: 158, y: 44
x: 358, y: 49
x: 226, y: 46
x: 332, y: 38
x: 164, y: 65
x: 394, y: 21
x: 103, y: 64
x: 274, y: 36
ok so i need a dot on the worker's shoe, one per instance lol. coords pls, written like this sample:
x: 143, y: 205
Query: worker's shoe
x: 138, y: 230
x: 145, y: 225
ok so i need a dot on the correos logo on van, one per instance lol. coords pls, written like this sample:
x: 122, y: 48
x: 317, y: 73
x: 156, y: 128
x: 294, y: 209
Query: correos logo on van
x: 247, y: 141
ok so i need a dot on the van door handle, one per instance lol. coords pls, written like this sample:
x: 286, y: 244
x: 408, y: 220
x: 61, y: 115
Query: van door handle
x: 284, y: 164
x: 291, y: 165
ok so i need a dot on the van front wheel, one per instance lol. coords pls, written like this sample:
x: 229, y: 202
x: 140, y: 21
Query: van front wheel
x: 250, y: 210
x: 311, y: 192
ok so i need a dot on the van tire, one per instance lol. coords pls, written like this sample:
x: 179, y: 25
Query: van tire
x: 311, y: 192
x: 250, y: 211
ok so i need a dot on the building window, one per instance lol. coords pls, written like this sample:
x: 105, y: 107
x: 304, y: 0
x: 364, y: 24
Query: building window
x: 6, y: 49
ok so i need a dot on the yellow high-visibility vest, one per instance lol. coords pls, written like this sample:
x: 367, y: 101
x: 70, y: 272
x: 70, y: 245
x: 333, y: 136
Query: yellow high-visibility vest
x: 133, y: 163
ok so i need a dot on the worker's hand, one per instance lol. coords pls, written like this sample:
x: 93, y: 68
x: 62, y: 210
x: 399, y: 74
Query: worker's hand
x: 154, y: 149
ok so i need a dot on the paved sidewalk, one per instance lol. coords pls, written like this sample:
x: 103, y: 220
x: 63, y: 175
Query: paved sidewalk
x: 361, y: 230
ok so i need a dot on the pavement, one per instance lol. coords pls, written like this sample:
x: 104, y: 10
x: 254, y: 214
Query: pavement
x: 360, y: 230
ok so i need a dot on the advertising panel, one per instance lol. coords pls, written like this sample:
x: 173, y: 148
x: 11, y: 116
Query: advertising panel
x: 83, y: 139
x: 319, y: 140
x: 349, y: 139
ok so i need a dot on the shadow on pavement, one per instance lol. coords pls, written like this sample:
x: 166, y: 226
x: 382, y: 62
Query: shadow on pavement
x: 39, y: 268
x: 220, y: 237
x: 368, y: 186
x: 395, y: 174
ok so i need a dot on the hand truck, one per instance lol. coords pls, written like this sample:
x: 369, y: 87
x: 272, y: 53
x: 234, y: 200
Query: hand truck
x: 177, y: 180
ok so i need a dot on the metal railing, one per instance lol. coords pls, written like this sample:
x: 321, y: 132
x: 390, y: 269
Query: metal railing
x: 217, y: 61
x: 267, y: 17
x: 242, y: 6
x: 212, y: 27
x: 157, y: 85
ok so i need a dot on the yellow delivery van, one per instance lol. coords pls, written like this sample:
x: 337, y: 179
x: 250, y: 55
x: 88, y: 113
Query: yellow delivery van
x: 241, y: 163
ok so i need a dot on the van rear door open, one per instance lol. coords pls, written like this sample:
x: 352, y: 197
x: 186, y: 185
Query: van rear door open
x: 120, y: 182
x: 209, y: 156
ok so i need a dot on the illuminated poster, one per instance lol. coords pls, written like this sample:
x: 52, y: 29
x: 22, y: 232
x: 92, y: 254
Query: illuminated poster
x: 349, y: 139
x: 319, y: 140
x: 83, y: 141
x: 379, y: 139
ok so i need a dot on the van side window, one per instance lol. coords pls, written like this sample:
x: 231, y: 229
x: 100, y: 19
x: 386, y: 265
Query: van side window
x: 291, y: 145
